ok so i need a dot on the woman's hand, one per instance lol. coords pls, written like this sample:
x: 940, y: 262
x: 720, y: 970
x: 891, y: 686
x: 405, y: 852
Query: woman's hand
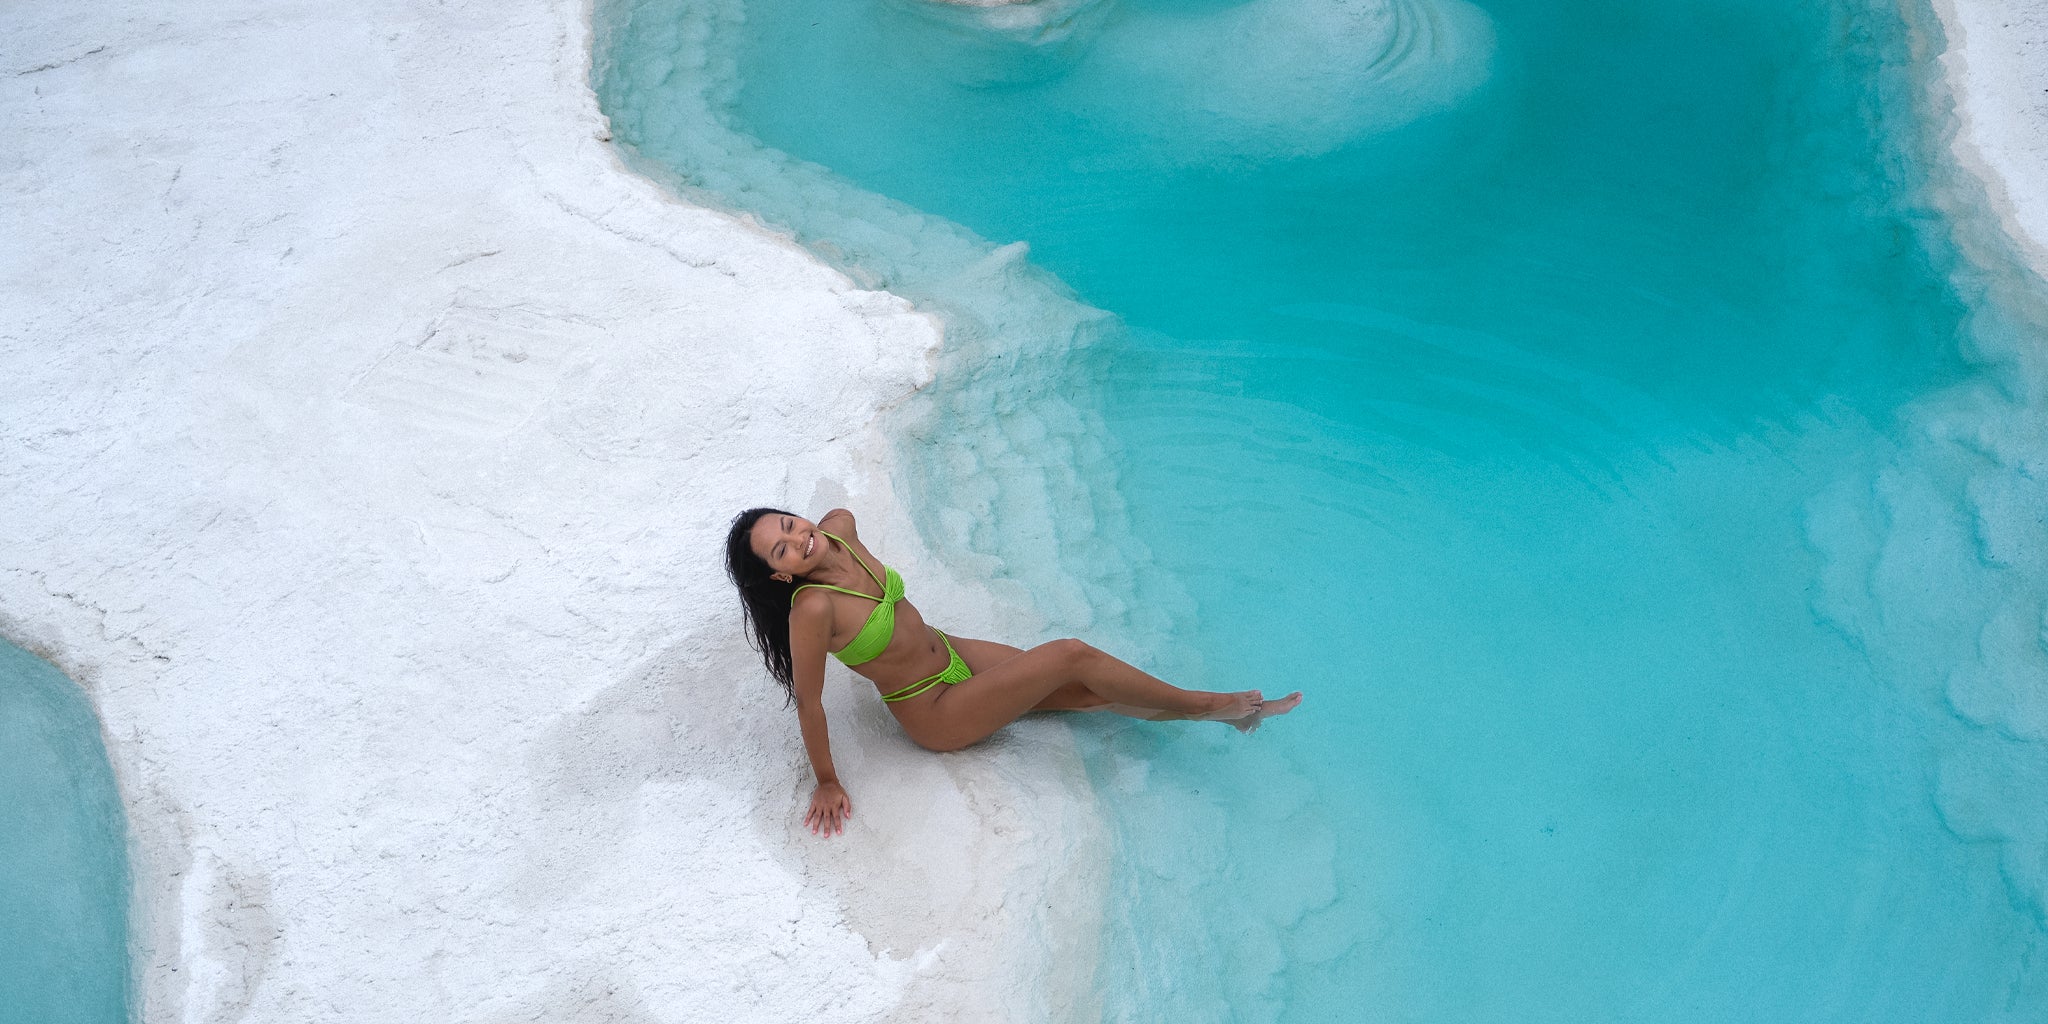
x: 829, y: 810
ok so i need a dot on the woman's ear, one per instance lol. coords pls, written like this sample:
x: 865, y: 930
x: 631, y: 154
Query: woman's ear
x: 782, y: 577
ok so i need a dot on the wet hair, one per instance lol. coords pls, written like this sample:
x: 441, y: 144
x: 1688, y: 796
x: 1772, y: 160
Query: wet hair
x: 764, y: 598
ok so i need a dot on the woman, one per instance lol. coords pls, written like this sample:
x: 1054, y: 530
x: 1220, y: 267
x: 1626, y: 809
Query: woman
x: 810, y: 589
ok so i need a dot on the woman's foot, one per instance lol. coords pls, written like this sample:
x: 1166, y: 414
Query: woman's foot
x: 1267, y: 709
x: 1230, y: 707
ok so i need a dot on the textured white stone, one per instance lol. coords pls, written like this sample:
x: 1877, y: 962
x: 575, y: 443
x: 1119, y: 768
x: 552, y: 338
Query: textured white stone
x: 1997, y: 66
x: 370, y: 436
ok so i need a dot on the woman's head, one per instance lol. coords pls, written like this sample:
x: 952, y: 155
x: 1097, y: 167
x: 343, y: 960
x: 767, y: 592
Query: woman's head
x: 765, y: 592
x: 788, y: 544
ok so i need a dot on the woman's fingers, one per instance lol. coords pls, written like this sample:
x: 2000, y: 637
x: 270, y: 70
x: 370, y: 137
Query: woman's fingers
x: 828, y: 816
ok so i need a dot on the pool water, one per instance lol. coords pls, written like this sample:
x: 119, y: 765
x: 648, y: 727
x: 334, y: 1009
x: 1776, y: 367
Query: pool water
x: 1537, y: 386
x: 63, y: 854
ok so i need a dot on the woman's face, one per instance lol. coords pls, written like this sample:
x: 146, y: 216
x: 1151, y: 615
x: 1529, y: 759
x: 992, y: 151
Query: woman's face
x: 791, y: 545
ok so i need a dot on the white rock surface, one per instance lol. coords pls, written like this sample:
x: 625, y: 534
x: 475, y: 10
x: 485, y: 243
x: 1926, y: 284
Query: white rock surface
x: 1997, y: 63
x: 370, y: 436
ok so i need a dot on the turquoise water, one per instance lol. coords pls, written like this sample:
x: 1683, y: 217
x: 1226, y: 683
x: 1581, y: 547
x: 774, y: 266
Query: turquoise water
x: 63, y: 859
x: 1543, y: 389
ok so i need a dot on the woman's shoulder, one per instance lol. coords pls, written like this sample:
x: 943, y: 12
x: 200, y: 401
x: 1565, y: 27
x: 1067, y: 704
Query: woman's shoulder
x: 811, y: 605
x: 838, y: 520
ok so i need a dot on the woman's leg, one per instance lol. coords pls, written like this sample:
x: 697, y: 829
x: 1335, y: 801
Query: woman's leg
x: 982, y: 655
x: 968, y: 713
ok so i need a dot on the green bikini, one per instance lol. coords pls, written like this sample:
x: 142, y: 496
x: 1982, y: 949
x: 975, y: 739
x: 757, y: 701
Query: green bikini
x: 874, y: 635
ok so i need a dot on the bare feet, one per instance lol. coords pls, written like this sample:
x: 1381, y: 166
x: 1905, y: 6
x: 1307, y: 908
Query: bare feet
x: 1267, y: 709
x: 1229, y: 707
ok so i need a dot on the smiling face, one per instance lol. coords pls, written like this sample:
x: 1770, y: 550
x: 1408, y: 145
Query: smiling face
x: 791, y: 545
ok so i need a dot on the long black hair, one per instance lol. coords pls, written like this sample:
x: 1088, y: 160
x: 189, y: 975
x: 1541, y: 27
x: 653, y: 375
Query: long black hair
x: 764, y: 598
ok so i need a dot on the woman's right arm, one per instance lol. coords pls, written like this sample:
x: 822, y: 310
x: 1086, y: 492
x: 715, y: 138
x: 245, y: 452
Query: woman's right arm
x: 810, y: 633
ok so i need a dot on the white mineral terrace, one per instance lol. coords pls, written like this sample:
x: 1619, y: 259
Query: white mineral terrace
x: 370, y: 434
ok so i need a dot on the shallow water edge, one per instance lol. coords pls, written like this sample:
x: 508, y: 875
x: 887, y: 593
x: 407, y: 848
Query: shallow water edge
x: 65, y: 851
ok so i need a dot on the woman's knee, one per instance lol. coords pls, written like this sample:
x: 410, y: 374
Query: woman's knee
x: 1070, y: 653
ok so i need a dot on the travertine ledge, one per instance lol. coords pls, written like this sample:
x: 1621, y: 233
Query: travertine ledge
x: 371, y: 437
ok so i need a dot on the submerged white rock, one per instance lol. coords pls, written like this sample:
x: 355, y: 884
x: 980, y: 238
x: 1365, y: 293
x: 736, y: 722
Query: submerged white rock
x: 1258, y: 79
x: 1961, y: 499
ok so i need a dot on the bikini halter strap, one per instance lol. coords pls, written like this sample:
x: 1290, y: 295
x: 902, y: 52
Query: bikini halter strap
x: 843, y: 590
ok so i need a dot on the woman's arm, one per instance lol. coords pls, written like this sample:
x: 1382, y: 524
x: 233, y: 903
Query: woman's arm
x: 810, y: 632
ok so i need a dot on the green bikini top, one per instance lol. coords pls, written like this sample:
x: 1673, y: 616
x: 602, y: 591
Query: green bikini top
x: 873, y: 638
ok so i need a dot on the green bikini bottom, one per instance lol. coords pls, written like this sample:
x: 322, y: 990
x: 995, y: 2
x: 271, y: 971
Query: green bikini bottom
x: 956, y: 671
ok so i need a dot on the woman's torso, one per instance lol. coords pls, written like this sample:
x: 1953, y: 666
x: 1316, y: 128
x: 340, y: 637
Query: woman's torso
x: 913, y: 651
